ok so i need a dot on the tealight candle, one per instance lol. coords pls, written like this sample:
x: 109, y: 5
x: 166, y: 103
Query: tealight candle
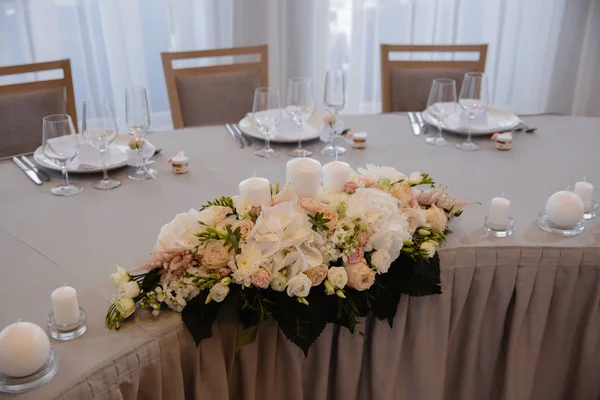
x: 499, y: 209
x: 65, y: 306
x: 304, y: 176
x: 585, y: 190
x: 24, y: 349
x: 564, y: 209
x: 335, y: 175
x: 256, y: 191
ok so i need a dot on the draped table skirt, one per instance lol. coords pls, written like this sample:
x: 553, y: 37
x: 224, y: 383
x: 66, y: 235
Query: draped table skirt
x: 512, y: 323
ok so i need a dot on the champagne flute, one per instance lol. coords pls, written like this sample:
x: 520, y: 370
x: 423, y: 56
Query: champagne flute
x: 334, y: 98
x: 441, y: 105
x: 60, y: 143
x: 473, y: 99
x: 300, y: 105
x: 267, y: 114
x: 138, y: 123
x: 100, y: 130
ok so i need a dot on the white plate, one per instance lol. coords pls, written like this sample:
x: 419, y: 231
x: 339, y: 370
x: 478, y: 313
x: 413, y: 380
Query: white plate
x: 286, y: 129
x: 497, y: 121
x: 89, y: 156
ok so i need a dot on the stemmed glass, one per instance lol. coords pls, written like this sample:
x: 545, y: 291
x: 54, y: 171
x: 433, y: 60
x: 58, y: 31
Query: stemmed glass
x: 441, y: 105
x: 100, y: 130
x: 473, y: 99
x: 267, y: 114
x: 60, y: 143
x: 334, y: 98
x: 300, y: 105
x: 138, y: 123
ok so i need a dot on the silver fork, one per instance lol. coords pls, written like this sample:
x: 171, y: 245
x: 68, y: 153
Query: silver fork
x: 245, y: 138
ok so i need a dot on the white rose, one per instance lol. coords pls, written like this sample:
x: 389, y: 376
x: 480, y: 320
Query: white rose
x: 125, y: 307
x: 180, y: 232
x: 299, y: 285
x: 429, y: 248
x: 119, y: 277
x: 129, y: 289
x: 381, y: 260
x: 278, y: 282
x: 338, y: 277
x: 215, y: 255
x: 218, y: 292
x: 415, y: 178
x: 214, y: 214
x: 246, y: 264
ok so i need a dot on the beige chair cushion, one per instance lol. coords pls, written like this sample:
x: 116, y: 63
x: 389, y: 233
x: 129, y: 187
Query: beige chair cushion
x: 410, y: 86
x: 21, y: 122
x: 217, y: 98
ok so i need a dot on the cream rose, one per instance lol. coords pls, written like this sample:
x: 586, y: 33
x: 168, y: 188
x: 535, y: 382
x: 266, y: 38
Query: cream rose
x: 119, y: 277
x: 299, y: 285
x: 214, y: 214
x: 381, y: 260
x: 332, y: 215
x: 215, y: 255
x: 436, y: 218
x: 278, y: 282
x: 129, y: 289
x: 219, y: 291
x: 317, y: 274
x: 338, y: 277
x: 261, y: 278
x: 245, y: 226
x: 180, y: 232
x: 360, y: 276
x: 125, y: 307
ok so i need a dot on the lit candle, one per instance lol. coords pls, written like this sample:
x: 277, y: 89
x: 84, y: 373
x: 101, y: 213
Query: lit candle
x: 24, y: 349
x: 256, y: 191
x: 304, y: 176
x: 585, y: 190
x: 335, y: 175
x: 499, y: 209
x: 564, y: 209
x: 65, y: 306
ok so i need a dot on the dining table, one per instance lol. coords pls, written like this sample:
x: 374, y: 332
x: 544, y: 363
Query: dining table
x: 518, y: 317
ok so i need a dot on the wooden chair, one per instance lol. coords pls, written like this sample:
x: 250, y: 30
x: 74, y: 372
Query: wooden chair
x: 23, y: 105
x: 405, y: 84
x: 215, y: 94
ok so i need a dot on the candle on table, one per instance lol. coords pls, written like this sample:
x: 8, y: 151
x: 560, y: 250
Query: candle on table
x: 256, y: 191
x: 499, y: 209
x: 335, y: 175
x: 564, y: 209
x: 24, y: 349
x: 304, y: 177
x: 585, y: 190
x: 65, y: 305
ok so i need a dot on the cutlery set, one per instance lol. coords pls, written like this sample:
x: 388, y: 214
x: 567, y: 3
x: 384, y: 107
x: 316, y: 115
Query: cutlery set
x: 237, y: 135
x: 418, y: 125
x: 33, y: 172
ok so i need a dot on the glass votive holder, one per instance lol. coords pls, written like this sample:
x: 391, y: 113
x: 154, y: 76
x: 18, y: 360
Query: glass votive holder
x: 500, y: 231
x: 591, y: 213
x: 9, y: 384
x: 67, y: 332
x: 545, y: 224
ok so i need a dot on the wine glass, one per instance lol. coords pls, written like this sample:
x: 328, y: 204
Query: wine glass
x: 441, y: 104
x: 100, y: 130
x: 300, y: 105
x: 267, y: 114
x: 473, y: 99
x: 60, y: 143
x: 334, y: 98
x: 138, y: 123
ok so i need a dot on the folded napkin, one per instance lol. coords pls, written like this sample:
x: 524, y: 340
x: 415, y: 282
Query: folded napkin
x: 133, y: 158
x: 91, y: 156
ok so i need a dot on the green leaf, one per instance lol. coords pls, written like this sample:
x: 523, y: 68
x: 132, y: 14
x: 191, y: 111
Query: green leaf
x: 318, y: 222
x: 199, y: 317
x: 421, y: 278
x: 247, y: 336
x: 223, y: 201
x: 233, y: 239
x: 151, y: 280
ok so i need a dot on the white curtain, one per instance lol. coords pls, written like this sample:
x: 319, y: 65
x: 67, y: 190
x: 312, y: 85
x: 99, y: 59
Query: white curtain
x: 542, y: 53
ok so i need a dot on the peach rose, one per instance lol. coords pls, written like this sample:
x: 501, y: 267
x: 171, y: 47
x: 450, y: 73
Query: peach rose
x: 436, y: 218
x: 223, y: 271
x: 245, y: 226
x: 350, y: 187
x: 416, y: 218
x: 404, y: 194
x: 356, y: 254
x: 255, y: 211
x: 332, y: 215
x: 362, y: 237
x: 261, y: 278
x: 317, y: 274
x: 308, y: 204
x: 360, y: 276
x: 215, y: 255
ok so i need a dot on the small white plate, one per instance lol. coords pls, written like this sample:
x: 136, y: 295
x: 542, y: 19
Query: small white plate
x: 286, y: 129
x: 116, y: 157
x: 497, y: 121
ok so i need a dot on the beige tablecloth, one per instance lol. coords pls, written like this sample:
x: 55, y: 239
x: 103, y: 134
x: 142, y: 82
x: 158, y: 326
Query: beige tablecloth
x: 518, y: 319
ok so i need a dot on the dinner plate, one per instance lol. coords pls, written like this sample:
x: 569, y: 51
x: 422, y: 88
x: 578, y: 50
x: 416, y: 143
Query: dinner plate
x: 286, y: 130
x: 89, y: 159
x: 498, y: 120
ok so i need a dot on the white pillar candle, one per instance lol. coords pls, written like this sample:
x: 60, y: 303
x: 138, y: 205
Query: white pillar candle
x: 564, y: 209
x: 585, y: 190
x: 256, y: 191
x: 335, y: 175
x: 65, y: 305
x: 499, y: 209
x: 24, y: 349
x: 304, y: 176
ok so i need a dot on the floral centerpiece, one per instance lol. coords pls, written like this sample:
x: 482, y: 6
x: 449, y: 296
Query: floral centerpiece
x: 303, y: 262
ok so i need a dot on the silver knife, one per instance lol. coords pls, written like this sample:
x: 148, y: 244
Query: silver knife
x: 30, y: 173
x: 421, y: 122
x: 234, y: 136
x: 40, y: 172
x: 247, y: 141
x: 414, y: 124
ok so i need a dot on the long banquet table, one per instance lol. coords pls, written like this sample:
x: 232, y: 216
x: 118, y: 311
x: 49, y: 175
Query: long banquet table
x: 518, y: 318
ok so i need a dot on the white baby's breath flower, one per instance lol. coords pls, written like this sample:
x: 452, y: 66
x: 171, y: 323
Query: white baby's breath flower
x: 119, y: 277
x: 125, y: 307
x: 299, y: 285
x: 129, y: 289
x: 338, y: 277
x: 219, y: 291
